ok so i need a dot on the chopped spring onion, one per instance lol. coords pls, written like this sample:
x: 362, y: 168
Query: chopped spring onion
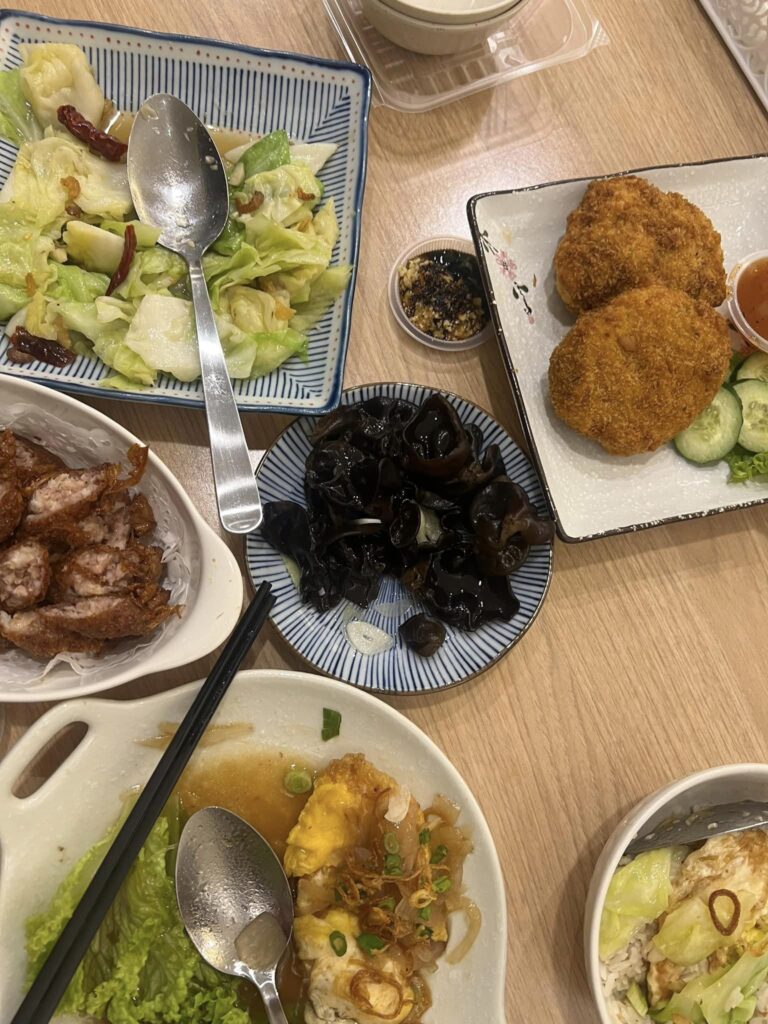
x: 391, y: 844
x: 425, y: 913
x: 297, y: 781
x: 425, y: 932
x: 393, y: 864
x: 439, y: 854
x: 369, y: 942
x: 424, y: 836
x: 442, y: 885
x: 338, y: 943
x: 331, y: 724
x: 388, y: 903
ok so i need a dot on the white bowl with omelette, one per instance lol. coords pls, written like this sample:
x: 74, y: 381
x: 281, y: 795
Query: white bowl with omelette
x: 679, y: 949
x: 271, y: 727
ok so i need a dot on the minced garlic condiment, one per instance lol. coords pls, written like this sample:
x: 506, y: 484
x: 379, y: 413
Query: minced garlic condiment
x: 441, y: 294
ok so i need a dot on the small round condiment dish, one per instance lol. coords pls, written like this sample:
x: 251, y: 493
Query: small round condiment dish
x: 708, y: 788
x: 453, y: 12
x: 429, y: 38
x: 461, y: 245
x: 734, y: 308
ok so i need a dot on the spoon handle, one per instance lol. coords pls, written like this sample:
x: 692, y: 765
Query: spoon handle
x: 272, y: 1004
x: 237, y: 494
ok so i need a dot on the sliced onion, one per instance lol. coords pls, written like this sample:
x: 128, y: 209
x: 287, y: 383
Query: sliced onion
x: 445, y: 809
x: 474, y: 921
x: 398, y: 804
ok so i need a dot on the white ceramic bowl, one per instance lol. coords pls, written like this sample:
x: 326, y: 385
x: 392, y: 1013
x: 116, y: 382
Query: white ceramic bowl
x: 426, y: 37
x: 207, y: 577
x: 734, y: 308
x: 703, y: 789
x: 43, y: 835
x: 453, y: 12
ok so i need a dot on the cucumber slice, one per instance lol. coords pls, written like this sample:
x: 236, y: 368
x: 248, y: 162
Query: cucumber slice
x: 754, y: 368
x: 754, y: 408
x: 714, y: 431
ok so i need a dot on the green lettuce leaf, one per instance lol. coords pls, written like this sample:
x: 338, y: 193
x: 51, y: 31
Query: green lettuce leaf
x: 162, y: 332
x: 153, y: 271
x: 688, y: 935
x: 73, y: 284
x: 146, y: 235
x: 17, y: 122
x: 141, y: 967
x: 245, y: 265
x: 231, y: 238
x: 256, y: 311
x: 686, y: 1004
x: 746, y: 465
x: 254, y: 354
x: 282, y: 190
x: 57, y: 74
x: 34, y: 186
x: 322, y: 293
x: 93, y: 247
x: 638, y: 892
x: 24, y: 253
x: 104, y: 323
x: 721, y: 1001
x: 265, y: 155
x: 326, y: 224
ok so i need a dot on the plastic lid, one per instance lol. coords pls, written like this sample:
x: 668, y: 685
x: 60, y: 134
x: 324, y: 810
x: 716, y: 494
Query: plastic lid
x: 432, y: 245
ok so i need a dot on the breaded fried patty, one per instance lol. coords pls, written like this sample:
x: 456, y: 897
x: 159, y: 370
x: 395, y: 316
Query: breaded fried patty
x: 639, y: 370
x: 626, y: 233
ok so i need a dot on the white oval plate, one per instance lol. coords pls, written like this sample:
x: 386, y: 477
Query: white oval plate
x: 214, y: 591
x: 42, y: 836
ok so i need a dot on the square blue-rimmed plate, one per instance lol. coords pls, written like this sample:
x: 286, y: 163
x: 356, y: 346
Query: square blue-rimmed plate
x: 246, y: 89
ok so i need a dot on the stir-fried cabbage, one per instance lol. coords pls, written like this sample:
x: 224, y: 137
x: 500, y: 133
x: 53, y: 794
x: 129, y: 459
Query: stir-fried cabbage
x: 64, y: 216
x: 639, y: 891
x: 55, y: 75
x: 17, y: 122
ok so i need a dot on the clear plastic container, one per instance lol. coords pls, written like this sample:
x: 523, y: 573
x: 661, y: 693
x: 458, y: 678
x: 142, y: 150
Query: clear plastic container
x: 742, y: 324
x: 432, y: 245
x: 543, y: 33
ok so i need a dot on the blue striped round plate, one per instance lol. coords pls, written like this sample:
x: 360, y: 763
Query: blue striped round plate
x: 321, y: 639
x: 246, y: 89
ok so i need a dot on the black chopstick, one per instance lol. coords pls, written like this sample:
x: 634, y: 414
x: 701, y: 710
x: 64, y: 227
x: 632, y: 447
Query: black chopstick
x: 40, y: 1003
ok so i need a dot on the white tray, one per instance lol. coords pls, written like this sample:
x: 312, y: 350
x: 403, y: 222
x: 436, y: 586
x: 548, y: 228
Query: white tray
x: 42, y: 836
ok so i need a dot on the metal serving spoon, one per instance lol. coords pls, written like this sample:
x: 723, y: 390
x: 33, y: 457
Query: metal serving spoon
x: 702, y: 825
x: 235, y: 900
x: 179, y: 185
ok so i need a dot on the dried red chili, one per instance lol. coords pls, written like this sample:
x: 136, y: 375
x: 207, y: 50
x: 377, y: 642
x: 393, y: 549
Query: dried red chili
x: 253, y: 203
x: 44, y: 349
x: 730, y: 927
x: 129, y: 248
x: 97, y: 141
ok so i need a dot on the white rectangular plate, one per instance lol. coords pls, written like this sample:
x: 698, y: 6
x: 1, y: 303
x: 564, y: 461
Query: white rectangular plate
x: 593, y: 494
x: 245, y: 89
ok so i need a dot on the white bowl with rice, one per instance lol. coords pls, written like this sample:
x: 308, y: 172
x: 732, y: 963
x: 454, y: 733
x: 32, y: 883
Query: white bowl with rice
x: 610, y: 979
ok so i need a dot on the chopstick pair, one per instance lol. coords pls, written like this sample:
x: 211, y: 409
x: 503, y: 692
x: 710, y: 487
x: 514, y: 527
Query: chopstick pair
x: 40, y: 1002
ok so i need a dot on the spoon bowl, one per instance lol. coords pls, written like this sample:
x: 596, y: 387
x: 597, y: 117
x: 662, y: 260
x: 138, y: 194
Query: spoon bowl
x: 179, y: 185
x: 235, y: 900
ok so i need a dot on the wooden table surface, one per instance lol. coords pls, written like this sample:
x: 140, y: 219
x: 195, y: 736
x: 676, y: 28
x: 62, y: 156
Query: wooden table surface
x: 648, y: 660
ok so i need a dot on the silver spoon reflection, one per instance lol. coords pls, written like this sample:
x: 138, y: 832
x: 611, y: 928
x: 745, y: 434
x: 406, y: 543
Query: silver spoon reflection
x: 235, y: 900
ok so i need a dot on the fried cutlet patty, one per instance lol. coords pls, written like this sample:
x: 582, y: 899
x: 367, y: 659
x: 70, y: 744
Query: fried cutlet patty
x: 637, y: 371
x: 626, y: 233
